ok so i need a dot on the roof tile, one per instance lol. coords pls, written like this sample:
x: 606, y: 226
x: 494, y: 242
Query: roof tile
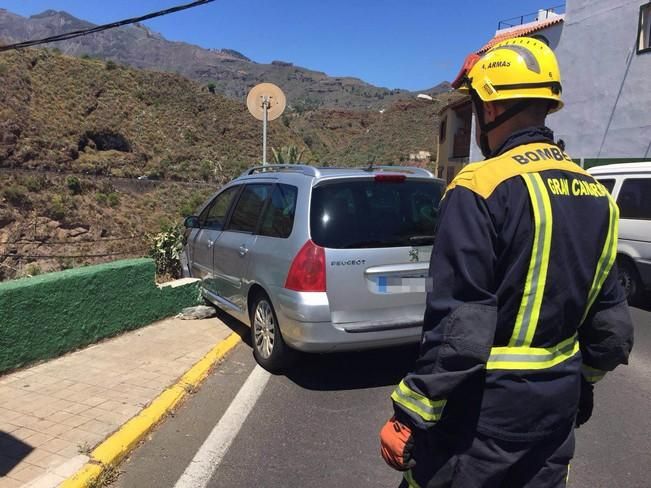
x: 521, y: 31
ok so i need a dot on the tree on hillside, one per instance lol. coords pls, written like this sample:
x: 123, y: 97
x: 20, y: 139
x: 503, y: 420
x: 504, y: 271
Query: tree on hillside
x: 287, y: 155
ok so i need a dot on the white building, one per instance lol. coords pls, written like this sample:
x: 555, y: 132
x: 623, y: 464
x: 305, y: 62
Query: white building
x: 605, y: 58
x: 604, y: 51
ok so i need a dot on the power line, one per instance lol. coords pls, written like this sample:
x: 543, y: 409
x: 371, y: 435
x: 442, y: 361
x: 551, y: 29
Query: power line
x: 101, y: 28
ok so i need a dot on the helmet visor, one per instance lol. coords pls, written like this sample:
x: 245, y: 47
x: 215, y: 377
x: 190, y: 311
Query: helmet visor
x: 462, y: 82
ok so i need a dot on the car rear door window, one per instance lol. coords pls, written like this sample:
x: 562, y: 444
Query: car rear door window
x: 214, y: 216
x: 369, y: 213
x: 634, y: 199
x: 278, y: 218
x: 249, y: 207
x: 609, y: 184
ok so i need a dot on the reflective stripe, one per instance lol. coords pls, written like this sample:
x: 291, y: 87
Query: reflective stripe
x: 527, y: 358
x: 428, y: 410
x: 592, y: 375
x: 534, y: 289
x: 409, y: 478
x: 607, y: 257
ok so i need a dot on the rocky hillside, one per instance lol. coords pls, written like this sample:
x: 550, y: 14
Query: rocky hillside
x: 232, y: 73
x: 76, y: 134
x: 95, y: 117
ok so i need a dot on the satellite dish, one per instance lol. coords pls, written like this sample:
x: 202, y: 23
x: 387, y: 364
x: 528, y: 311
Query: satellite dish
x: 266, y: 102
x: 272, y: 95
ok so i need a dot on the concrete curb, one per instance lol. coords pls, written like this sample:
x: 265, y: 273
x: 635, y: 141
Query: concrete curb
x: 110, y: 452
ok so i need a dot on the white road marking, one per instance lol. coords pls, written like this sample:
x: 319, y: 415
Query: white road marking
x: 212, y: 451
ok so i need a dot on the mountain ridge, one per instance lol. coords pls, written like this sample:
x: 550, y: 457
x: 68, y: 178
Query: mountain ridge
x: 231, y: 72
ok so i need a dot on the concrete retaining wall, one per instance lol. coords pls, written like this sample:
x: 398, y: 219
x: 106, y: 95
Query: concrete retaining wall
x: 48, y: 315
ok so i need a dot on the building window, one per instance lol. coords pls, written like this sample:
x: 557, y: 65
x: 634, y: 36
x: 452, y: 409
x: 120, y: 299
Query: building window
x: 644, y: 34
x: 443, y: 130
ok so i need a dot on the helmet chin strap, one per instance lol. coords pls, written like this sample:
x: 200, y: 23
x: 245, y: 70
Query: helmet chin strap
x: 485, y: 128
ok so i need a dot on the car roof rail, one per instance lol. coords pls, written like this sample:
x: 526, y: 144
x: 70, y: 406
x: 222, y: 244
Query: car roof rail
x: 400, y: 169
x: 277, y: 168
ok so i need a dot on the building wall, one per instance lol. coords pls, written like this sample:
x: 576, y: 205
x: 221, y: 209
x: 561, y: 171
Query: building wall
x: 607, y: 112
x: 448, y: 166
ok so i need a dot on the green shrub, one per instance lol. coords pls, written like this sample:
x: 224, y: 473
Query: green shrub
x: 33, y: 270
x: 189, y: 207
x: 58, y: 208
x: 16, y: 195
x: 35, y: 183
x: 113, y: 199
x: 206, y: 170
x: 165, y: 248
x: 101, y: 198
x: 74, y: 185
x: 111, y: 65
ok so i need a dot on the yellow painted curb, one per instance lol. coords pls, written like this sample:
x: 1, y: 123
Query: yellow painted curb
x: 117, y: 446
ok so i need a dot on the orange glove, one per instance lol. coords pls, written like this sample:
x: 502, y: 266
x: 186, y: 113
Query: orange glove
x: 396, y: 443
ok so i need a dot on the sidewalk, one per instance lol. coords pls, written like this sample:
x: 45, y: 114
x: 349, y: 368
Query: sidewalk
x: 53, y: 414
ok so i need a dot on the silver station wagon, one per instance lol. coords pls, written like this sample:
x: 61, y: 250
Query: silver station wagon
x: 318, y: 259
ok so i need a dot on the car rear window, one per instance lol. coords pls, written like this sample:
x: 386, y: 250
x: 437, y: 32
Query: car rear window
x: 634, y: 199
x: 369, y: 213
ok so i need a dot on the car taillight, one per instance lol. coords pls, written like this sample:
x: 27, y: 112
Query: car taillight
x: 307, y: 272
x: 390, y: 178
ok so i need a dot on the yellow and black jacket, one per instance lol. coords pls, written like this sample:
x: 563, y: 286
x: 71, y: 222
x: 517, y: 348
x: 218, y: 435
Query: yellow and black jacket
x: 523, y: 296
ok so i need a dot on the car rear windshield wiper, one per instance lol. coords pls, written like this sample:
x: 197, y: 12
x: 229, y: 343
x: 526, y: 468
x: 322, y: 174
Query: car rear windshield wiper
x: 375, y: 243
x: 422, y: 239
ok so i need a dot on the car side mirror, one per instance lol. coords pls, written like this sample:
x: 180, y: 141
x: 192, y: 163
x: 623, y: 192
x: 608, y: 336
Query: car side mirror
x: 191, y: 222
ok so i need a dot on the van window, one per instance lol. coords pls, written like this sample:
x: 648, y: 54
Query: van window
x: 365, y: 214
x: 634, y: 199
x: 248, y: 208
x: 278, y: 218
x: 609, y: 184
x: 214, y: 216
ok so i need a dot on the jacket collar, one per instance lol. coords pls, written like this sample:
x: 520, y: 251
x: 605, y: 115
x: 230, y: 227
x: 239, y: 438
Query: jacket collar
x: 525, y: 136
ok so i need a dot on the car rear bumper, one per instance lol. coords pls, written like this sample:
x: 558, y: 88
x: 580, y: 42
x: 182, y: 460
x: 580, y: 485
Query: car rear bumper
x: 324, y: 337
x: 305, y: 324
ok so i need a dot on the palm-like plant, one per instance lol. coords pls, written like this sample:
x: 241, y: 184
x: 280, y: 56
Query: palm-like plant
x: 287, y: 155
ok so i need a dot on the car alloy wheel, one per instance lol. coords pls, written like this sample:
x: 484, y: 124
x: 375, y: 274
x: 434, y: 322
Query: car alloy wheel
x: 264, y: 328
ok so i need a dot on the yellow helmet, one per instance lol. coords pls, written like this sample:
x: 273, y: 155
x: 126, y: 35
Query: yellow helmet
x: 515, y: 69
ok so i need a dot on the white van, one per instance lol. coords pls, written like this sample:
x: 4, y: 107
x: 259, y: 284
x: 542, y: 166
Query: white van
x: 630, y: 184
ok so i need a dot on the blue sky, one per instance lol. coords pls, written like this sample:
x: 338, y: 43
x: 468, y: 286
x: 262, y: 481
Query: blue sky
x: 412, y: 44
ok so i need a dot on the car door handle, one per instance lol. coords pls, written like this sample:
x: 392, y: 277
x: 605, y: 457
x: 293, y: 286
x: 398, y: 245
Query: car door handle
x: 211, y: 244
x: 243, y: 250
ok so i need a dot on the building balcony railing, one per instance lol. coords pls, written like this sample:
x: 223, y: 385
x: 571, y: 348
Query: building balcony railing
x: 542, y: 14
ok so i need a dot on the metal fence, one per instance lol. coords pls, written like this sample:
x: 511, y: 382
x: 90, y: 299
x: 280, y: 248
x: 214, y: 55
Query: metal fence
x: 542, y: 14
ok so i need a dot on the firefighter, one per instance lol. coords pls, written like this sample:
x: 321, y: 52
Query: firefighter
x: 524, y: 310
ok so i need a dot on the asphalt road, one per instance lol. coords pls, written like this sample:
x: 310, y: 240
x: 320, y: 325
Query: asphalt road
x: 318, y: 426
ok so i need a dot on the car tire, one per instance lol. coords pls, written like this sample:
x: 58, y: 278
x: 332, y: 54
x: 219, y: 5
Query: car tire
x: 269, y: 348
x: 629, y: 279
